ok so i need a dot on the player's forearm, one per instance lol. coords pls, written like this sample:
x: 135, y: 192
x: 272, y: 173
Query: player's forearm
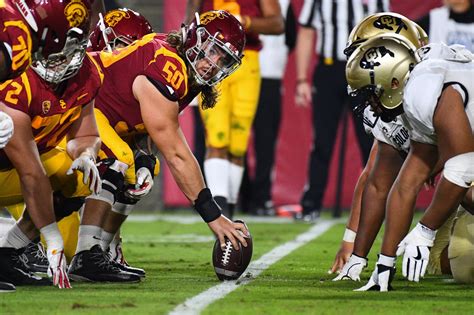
x: 399, y: 214
x: 304, y: 51
x: 37, y: 193
x: 89, y: 145
x: 445, y: 201
x: 371, y: 218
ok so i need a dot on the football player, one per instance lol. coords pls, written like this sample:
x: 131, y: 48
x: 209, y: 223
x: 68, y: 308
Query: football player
x: 388, y: 152
x: 164, y: 72
x: 228, y: 126
x: 118, y: 29
x: 440, y: 115
x: 51, y: 100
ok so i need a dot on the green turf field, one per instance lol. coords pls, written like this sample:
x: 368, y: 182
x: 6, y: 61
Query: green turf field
x: 177, y: 258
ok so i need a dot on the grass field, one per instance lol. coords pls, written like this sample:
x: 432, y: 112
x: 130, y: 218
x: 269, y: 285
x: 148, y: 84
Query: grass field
x: 177, y: 258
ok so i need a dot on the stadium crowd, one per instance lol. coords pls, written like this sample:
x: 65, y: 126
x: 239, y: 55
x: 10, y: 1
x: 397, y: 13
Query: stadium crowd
x: 92, y: 131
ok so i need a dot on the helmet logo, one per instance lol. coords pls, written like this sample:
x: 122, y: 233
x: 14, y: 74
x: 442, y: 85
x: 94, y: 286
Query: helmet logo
x: 389, y: 22
x: 369, y: 60
x: 76, y: 13
x: 210, y: 16
x: 46, y: 107
x: 115, y: 16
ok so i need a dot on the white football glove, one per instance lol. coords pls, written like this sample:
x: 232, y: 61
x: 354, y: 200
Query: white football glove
x: 143, y: 185
x: 86, y: 164
x: 58, y: 268
x: 352, y: 269
x: 6, y: 129
x: 382, y: 275
x: 415, y: 248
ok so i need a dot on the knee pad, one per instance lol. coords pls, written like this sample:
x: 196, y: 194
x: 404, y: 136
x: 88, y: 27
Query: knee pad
x: 64, y: 207
x: 459, y: 169
x: 123, y: 204
x: 112, y: 173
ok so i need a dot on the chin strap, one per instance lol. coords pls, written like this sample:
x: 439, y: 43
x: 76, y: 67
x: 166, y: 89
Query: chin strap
x: 103, y: 30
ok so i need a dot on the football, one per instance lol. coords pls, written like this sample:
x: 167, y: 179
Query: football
x: 229, y: 263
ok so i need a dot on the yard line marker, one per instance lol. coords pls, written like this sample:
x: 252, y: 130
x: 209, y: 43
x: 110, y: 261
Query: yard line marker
x: 194, y: 305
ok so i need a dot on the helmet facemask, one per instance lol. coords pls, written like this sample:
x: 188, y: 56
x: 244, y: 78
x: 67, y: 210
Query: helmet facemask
x: 65, y: 64
x: 211, y: 59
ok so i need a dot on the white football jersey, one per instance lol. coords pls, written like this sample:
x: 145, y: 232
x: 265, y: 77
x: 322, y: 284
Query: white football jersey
x: 440, y: 65
x: 393, y: 133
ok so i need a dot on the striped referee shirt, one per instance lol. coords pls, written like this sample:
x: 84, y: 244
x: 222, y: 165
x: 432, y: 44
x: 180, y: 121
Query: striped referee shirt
x: 334, y: 20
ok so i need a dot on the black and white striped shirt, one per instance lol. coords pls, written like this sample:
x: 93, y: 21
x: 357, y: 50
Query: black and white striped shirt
x: 334, y: 20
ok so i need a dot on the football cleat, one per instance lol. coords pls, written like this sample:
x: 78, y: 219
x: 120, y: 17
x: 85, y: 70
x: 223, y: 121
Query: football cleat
x: 6, y: 287
x: 14, y: 270
x: 35, y: 258
x: 95, y: 266
x: 115, y: 255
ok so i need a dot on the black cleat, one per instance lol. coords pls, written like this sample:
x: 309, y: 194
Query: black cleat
x: 14, y: 270
x: 6, y: 287
x: 115, y: 254
x: 94, y: 265
x: 35, y: 258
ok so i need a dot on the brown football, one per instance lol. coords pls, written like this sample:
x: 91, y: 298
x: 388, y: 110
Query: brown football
x: 229, y: 263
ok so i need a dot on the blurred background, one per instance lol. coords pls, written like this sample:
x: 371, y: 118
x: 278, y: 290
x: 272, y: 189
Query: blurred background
x: 295, y: 134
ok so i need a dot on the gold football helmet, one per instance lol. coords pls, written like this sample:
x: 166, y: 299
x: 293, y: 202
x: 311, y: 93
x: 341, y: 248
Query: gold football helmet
x: 377, y: 72
x: 422, y: 36
x: 382, y: 23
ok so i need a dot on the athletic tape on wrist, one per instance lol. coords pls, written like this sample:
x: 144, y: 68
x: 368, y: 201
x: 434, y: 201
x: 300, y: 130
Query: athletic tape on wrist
x: 349, y: 236
x: 206, y: 206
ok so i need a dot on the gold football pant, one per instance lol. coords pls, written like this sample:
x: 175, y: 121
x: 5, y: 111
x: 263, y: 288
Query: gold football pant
x: 461, y: 247
x: 229, y: 123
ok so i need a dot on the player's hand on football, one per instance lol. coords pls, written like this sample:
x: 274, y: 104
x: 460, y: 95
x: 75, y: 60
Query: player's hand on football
x: 234, y: 231
x: 143, y: 185
x: 58, y: 268
x: 415, y: 248
x: 382, y: 276
x: 86, y: 164
x: 303, y: 96
x: 352, y: 269
x: 6, y: 129
x: 342, y: 256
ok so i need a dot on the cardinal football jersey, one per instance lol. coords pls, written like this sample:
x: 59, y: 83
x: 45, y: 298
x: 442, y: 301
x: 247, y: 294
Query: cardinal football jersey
x: 15, y: 39
x: 152, y: 57
x: 52, y: 112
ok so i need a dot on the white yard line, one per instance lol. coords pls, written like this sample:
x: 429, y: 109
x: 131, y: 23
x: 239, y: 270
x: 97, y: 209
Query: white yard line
x: 196, y: 304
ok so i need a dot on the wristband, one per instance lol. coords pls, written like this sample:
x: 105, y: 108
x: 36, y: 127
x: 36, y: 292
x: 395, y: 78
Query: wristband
x: 206, y: 206
x: 349, y: 236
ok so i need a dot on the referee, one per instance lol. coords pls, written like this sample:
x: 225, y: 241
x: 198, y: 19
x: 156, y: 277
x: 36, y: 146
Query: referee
x: 332, y: 20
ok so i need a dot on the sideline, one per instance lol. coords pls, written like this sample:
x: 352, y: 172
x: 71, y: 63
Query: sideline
x: 196, y: 304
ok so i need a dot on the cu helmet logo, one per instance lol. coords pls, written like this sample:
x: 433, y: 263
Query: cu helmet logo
x: 371, y: 56
x: 389, y: 22
x: 112, y: 18
x: 207, y: 17
x: 76, y: 13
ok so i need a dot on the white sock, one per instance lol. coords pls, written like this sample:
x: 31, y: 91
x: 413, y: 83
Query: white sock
x: 235, y: 179
x: 52, y: 236
x: 106, y: 239
x: 5, y: 225
x: 89, y: 236
x: 15, y: 238
x: 217, y: 176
